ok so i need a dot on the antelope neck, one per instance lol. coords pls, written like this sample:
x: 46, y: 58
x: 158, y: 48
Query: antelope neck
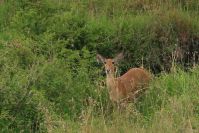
x: 111, y: 81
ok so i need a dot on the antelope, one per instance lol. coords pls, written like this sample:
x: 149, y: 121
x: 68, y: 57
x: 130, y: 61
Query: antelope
x: 125, y: 87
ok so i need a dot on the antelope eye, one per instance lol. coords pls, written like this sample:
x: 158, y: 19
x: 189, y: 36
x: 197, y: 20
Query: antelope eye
x: 113, y: 62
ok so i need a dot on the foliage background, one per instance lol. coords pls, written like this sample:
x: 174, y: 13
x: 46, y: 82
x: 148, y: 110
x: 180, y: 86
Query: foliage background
x: 51, y: 82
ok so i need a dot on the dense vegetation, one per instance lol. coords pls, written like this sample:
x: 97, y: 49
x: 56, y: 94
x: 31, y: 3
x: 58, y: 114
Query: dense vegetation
x: 50, y: 80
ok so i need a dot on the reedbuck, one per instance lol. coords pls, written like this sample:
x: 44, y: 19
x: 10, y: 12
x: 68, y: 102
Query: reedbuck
x: 125, y: 87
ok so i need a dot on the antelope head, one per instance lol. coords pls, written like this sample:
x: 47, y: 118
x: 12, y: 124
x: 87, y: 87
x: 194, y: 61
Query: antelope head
x: 109, y: 64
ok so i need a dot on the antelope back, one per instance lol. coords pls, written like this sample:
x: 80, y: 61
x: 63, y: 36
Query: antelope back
x: 135, y: 78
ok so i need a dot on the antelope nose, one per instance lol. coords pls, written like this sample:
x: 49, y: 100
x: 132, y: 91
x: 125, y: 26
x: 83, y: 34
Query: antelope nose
x: 108, y: 71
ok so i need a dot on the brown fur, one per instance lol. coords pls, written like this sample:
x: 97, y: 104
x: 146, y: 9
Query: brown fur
x: 126, y: 86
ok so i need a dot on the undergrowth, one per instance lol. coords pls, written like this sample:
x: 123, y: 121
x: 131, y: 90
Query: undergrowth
x: 50, y: 80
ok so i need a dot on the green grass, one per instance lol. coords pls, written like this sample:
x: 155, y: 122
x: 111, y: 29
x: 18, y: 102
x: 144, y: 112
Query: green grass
x: 169, y: 105
x: 50, y: 80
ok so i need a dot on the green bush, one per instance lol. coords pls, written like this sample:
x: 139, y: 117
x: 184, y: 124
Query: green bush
x: 50, y: 79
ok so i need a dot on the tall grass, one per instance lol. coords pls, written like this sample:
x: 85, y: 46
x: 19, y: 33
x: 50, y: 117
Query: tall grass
x: 169, y: 105
x: 50, y: 80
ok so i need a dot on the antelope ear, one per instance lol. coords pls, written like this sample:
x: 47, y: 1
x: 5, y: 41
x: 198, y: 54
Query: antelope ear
x: 100, y: 58
x: 119, y: 57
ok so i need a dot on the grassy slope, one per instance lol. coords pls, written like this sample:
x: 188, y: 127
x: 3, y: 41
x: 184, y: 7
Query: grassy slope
x: 170, y: 105
x: 50, y: 81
